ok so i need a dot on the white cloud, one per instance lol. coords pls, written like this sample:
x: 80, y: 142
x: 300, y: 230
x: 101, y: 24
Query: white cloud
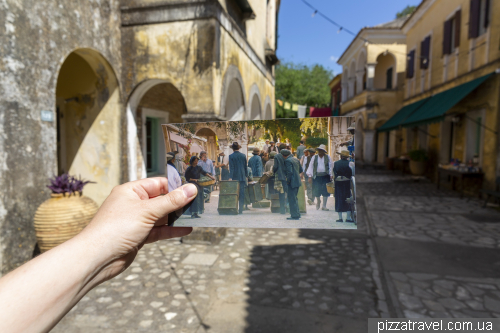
x: 334, y: 58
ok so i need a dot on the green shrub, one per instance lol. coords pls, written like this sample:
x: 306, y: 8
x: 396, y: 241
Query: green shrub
x: 418, y: 155
x: 316, y: 142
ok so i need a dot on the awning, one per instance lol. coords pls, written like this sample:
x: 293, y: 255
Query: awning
x: 177, y: 138
x: 399, y: 118
x: 432, y: 109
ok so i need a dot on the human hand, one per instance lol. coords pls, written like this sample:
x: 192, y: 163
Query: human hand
x: 134, y: 214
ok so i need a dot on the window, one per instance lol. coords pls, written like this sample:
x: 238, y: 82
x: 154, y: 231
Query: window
x: 451, y: 33
x: 479, y: 17
x: 151, y: 144
x: 388, y: 78
x: 425, y: 47
x: 410, y: 66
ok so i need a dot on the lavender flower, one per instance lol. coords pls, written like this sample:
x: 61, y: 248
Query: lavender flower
x: 67, y: 184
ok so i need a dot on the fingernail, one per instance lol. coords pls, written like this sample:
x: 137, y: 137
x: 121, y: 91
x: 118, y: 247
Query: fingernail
x: 190, y: 190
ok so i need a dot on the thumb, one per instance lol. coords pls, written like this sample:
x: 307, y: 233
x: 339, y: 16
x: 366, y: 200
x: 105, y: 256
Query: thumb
x: 161, y: 206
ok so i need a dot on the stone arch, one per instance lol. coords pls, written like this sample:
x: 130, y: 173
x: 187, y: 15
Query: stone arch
x: 151, y: 103
x: 268, y: 109
x: 255, y: 109
x: 88, y: 112
x: 385, y: 60
x: 233, y: 95
x: 211, y: 147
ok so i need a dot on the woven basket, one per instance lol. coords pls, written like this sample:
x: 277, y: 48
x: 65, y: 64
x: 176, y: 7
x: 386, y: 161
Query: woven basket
x: 330, y: 187
x: 206, y: 181
x: 264, y: 179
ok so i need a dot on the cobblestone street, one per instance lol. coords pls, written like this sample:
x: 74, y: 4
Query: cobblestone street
x: 418, y: 252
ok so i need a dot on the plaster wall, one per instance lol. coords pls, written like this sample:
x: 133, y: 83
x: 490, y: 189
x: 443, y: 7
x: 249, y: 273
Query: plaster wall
x: 38, y: 37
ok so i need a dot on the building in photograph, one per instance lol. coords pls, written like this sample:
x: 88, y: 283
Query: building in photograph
x: 372, y: 86
x: 84, y: 87
x: 336, y: 90
x: 451, y: 89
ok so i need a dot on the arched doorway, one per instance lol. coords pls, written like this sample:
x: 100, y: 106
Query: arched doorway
x: 235, y: 106
x: 358, y: 140
x: 153, y: 103
x: 385, y: 72
x: 268, y: 115
x: 383, y: 142
x: 88, y: 121
x: 208, y: 134
x: 255, y: 108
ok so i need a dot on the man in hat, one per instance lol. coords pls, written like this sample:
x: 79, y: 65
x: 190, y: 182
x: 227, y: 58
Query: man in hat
x: 255, y: 163
x: 208, y: 166
x: 342, y: 173
x: 280, y: 184
x: 320, y: 174
x: 222, y: 165
x: 171, y: 160
x: 238, y: 170
x: 269, y: 168
x: 292, y: 172
x: 301, y: 150
x: 272, y: 148
x: 173, y: 178
x: 306, y: 160
x: 265, y: 149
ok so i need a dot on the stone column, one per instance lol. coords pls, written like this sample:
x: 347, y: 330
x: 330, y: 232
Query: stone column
x: 370, y: 75
x: 359, y: 81
x: 345, y: 88
x: 369, y: 148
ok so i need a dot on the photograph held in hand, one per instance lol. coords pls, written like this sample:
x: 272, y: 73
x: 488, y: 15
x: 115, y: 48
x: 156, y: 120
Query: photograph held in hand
x: 283, y: 173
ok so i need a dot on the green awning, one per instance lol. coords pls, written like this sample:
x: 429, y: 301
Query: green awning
x: 434, y: 110
x: 431, y: 109
x: 399, y: 118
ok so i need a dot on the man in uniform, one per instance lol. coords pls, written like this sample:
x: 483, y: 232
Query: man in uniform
x: 255, y: 163
x: 280, y: 184
x: 292, y: 172
x: 320, y: 174
x: 238, y: 170
x: 342, y: 173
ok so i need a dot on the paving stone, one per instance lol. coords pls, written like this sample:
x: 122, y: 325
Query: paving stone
x: 204, y: 259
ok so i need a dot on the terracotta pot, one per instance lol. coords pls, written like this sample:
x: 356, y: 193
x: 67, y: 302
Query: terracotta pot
x: 418, y: 168
x: 62, y: 217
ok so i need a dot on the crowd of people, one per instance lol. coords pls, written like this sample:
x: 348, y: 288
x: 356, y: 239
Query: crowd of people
x: 285, y: 168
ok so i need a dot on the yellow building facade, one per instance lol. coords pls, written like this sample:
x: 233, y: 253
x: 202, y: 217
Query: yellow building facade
x: 451, y: 87
x: 372, y: 86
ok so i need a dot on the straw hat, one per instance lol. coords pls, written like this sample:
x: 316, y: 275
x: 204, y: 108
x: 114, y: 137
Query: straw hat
x: 272, y: 154
x: 322, y: 147
x: 169, y: 156
x: 344, y: 153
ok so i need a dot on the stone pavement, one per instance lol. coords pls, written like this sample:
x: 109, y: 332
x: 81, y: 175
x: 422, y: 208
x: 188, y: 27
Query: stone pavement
x: 417, y: 252
x: 258, y: 217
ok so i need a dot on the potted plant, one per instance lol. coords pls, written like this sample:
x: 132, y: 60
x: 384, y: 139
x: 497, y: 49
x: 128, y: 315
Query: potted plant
x: 418, y: 162
x: 65, y: 214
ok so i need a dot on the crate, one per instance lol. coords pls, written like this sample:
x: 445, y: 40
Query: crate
x: 255, y: 192
x: 228, y: 204
x: 275, y: 196
x: 264, y: 179
x: 275, y: 205
x: 330, y: 187
x: 229, y: 187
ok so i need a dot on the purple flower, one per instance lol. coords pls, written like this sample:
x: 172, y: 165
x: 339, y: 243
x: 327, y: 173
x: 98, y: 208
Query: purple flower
x: 67, y: 184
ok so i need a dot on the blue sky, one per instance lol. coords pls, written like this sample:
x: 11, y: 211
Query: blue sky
x: 313, y: 40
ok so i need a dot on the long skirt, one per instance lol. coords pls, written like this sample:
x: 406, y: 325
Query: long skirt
x: 319, y: 186
x: 198, y: 204
x: 342, y: 192
x: 224, y: 174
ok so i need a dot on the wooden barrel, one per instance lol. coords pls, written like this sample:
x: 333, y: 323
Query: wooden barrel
x: 62, y: 217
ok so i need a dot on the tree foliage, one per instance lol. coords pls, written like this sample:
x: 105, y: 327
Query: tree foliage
x: 407, y: 11
x: 302, y: 84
